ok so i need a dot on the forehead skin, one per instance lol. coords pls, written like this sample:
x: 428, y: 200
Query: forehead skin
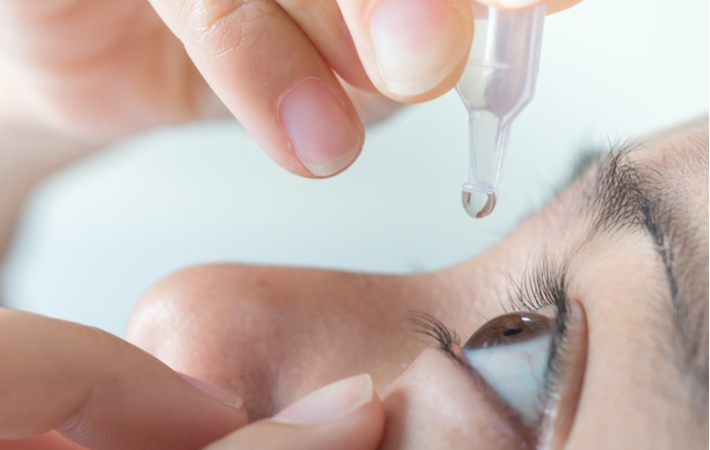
x: 274, y: 334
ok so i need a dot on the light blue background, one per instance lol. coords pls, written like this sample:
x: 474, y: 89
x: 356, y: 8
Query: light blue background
x: 96, y: 236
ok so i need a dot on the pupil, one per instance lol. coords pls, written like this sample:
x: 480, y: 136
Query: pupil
x: 512, y: 332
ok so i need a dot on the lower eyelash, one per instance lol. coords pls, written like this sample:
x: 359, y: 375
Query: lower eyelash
x: 428, y: 325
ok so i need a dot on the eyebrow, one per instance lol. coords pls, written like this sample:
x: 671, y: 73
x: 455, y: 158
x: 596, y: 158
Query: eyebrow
x: 627, y: 194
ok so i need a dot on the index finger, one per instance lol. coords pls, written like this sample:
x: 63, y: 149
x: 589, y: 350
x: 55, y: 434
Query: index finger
x: 272, y: 78
x: 99, y: 390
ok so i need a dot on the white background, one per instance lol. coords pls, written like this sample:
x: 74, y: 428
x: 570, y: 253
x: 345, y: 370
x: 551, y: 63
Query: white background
x: 96, y: 236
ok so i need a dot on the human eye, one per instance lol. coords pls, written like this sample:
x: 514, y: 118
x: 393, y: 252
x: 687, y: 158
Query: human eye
x: 530, y: 361
x: 511, y: 353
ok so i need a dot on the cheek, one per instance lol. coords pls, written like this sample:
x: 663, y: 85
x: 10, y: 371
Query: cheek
x: 435, y: 404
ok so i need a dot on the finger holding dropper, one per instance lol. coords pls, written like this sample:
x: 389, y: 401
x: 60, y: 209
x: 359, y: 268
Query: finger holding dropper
x: 498, y: 82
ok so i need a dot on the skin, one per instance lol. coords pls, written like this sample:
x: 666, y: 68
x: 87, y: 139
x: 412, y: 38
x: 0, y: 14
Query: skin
x: 274, y: 334
x: 70, y: 83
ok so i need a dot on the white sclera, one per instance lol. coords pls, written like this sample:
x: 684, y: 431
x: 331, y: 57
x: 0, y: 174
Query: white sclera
x: 516, y: 372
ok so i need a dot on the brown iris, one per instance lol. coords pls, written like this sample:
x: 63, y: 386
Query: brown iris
x: 510, y: 329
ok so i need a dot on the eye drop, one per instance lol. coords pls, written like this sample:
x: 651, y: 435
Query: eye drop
x: 498, y: 82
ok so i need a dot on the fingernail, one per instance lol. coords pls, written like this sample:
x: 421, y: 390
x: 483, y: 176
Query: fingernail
x: 417, y: 43
x: 330, y: 402
x: 325, y: 138
x: 223, y: 395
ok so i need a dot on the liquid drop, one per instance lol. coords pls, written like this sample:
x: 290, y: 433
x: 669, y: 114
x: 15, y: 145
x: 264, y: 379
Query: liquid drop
x: 478, y: 205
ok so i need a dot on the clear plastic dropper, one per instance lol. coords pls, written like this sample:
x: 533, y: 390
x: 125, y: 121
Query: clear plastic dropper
x: 498, y: 82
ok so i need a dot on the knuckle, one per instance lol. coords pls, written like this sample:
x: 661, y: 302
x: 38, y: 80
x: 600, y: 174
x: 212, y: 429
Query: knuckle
x: 218, y: 27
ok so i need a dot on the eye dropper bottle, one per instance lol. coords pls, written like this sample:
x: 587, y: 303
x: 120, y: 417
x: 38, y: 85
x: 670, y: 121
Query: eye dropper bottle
x: 498, y: 82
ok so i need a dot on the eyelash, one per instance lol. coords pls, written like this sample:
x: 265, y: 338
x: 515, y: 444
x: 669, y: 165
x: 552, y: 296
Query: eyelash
x: 545, y: 286
x: 428, y: 325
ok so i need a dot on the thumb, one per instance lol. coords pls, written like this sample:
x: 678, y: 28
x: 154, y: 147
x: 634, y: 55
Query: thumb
x: 346, y: 415
x: 412, y: 50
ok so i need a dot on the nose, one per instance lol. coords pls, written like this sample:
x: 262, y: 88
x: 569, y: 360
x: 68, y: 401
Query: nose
x: 272, y: 335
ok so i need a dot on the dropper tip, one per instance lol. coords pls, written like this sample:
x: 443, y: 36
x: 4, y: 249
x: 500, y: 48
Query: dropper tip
x: 471, y: 203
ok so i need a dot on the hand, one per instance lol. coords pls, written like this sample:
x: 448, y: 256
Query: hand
x: 103, y: 68
x: 99, y: 392
x: 346, y: 415
x: 67, y: 387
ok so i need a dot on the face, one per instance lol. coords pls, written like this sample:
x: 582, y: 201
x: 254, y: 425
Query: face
x: 588, y: 325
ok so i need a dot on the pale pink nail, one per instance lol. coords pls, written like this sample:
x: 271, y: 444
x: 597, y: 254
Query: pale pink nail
x: 417, y: 43
x: 330, y: 402
x: 223, y: 395
x: 324, y: 136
